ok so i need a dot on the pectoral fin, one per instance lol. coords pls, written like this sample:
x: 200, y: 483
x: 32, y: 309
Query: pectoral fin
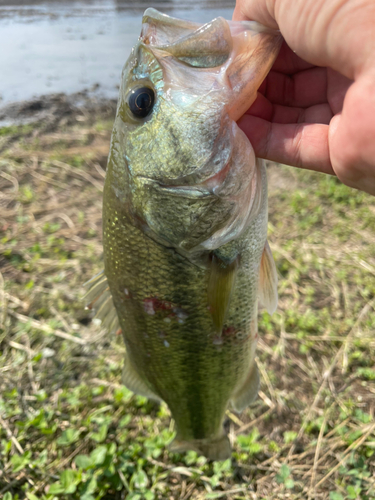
x: 268, y: 280
x: 134, y: 382
x: 246, y: 394
x: 220, y: 287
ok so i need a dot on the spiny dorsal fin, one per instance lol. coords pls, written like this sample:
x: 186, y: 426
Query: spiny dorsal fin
x: 99, y: 297
x: 268, y: 281
x: 220, y: 287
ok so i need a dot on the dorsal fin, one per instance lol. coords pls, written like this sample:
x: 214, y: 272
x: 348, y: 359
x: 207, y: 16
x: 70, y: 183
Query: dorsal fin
x: 99, y: 298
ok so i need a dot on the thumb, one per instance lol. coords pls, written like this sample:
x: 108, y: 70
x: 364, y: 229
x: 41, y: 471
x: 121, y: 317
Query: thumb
x: 255, y: 10
x: 351, y: 137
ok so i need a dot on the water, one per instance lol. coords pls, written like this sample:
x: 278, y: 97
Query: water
x: 68, y: 46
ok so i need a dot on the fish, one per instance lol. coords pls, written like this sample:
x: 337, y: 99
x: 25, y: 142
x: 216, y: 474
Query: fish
x: 186, y: 257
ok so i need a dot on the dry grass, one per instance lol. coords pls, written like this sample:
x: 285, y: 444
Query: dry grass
x: 311, y: 433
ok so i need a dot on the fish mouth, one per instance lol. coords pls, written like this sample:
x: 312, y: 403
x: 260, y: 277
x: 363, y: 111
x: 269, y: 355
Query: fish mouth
x: 177, y: 190
x: 204, y: 189
x: 186, y: 191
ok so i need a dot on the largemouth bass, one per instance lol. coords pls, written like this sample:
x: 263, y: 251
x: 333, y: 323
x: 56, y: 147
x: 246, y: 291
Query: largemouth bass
x: 185, y: 223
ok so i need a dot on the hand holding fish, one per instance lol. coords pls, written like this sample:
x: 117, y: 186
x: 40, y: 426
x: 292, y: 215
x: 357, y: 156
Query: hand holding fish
x: 316, y: 108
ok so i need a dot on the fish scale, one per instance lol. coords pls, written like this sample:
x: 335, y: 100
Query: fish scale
x: 185, y: 223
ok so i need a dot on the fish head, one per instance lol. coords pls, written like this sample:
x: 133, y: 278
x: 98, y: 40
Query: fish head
x: 180, y: 165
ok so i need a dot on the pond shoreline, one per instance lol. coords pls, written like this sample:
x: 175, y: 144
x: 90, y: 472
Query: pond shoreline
x: 57, y: 109
x: 68, y: 46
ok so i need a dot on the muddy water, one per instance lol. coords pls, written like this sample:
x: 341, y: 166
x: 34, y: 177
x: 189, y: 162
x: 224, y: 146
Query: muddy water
x: 68, y: 46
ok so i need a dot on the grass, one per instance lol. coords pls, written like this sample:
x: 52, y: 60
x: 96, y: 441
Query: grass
x: 69, y: 430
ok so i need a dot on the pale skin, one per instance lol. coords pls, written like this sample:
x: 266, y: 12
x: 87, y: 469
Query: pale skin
x: 316, y: 109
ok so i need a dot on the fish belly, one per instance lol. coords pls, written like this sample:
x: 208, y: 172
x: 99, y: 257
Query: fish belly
x: 162, y: 304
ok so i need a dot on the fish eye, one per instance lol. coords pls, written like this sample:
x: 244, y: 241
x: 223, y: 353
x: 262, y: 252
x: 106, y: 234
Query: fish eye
x: 141, y: 101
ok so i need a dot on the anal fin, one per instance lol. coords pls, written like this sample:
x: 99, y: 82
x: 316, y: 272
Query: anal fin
x: 133, y: 381
x: 246, y: 394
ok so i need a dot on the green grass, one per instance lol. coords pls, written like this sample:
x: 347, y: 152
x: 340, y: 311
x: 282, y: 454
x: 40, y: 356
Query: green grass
x: 69, y: 430
x: 16, y: 130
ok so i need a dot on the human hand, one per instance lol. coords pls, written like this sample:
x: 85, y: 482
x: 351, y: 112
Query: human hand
x: 316, y: 108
